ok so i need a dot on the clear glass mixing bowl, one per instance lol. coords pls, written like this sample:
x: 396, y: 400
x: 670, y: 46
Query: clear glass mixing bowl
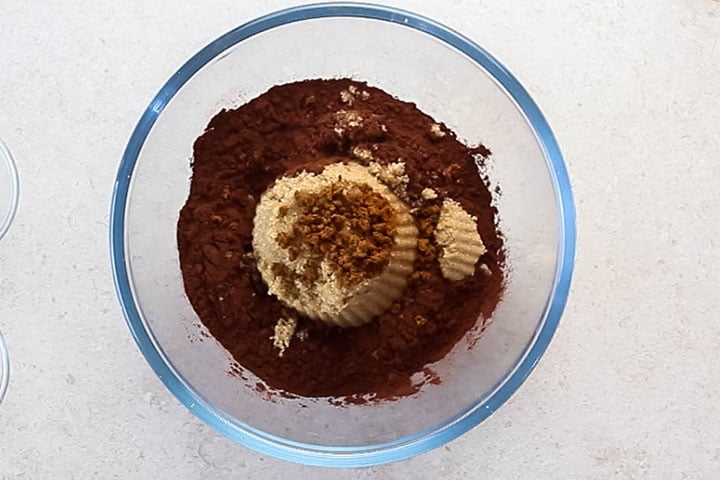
x: 9, y: 192
x: 4, y: 368
x: 453, y: 80
x: 9, y: 189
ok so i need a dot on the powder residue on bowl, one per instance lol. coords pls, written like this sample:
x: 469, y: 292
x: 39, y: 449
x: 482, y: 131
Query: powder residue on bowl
x: 303, y: 127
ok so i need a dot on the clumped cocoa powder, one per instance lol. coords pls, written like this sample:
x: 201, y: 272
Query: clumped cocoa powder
x: 297, y: 127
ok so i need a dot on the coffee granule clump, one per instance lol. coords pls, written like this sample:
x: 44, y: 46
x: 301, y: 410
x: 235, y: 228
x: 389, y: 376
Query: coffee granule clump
x: 349, y: 225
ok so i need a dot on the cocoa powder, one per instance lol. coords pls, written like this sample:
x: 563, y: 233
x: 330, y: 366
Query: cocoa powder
x: 306, y: 126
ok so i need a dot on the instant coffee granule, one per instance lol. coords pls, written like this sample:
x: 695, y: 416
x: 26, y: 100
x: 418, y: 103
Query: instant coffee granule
x: 306, y: 126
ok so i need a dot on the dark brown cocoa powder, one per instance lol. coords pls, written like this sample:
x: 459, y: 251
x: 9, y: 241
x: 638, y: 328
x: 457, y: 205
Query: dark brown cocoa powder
x: 292, y: 128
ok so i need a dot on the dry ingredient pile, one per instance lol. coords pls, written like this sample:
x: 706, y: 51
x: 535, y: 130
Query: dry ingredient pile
x: 337, y: 240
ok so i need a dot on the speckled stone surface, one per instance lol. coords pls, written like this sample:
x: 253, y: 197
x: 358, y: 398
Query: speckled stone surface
x: 628, y: 388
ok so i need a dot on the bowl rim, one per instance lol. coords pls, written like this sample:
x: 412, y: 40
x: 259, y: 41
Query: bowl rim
x: 411, y: 445
x: 9, y: 163
x: 4, y: 368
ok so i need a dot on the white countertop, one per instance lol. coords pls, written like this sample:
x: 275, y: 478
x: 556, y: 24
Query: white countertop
x: 629, y: 387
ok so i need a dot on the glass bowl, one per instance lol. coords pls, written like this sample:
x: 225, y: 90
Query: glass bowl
x: 4, y: 368
x: 9, y: 192
x: 9, y: 189
x: 415, y: 59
